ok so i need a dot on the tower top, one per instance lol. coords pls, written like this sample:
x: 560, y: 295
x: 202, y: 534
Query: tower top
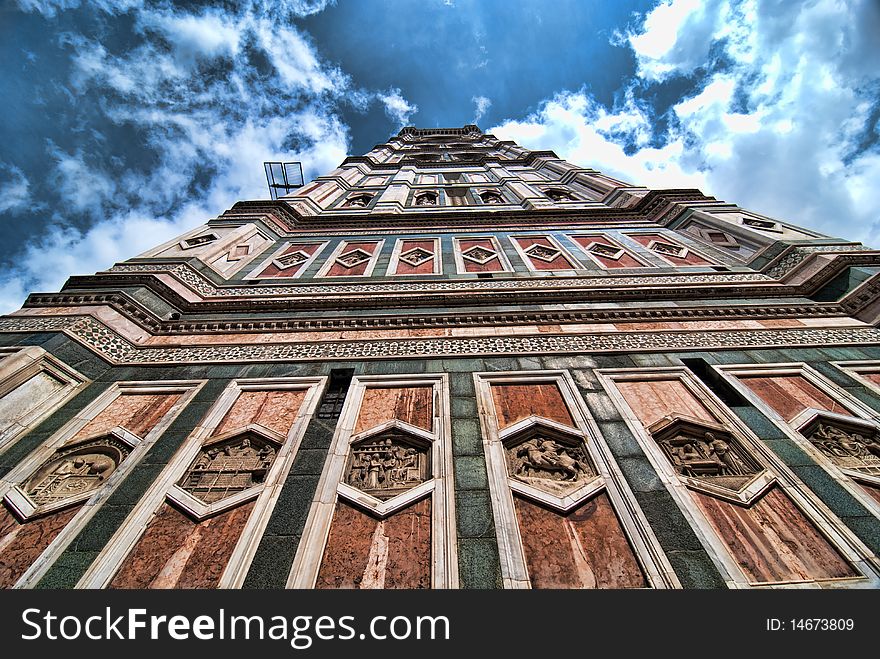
x: 468, y: 130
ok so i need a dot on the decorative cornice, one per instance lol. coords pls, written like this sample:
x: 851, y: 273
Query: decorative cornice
x: 111, y: 346
x: 133, y: 310
x: 656, y: 203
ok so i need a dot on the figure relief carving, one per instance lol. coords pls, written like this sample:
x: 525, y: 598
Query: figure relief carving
x: 848, y: 449
x: 710, y: 454
x: 76, y: 470
x: 479, y: 254
x: 387, y: 466
x: 548, y: 459
x: 225, y: 467
x: 491, y: 198
x: 668, y: 249
x: 416, y: 256
x: 542, y: 252
x: 353, y: 258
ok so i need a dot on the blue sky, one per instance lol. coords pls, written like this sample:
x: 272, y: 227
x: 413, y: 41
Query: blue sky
x: 126, y: 123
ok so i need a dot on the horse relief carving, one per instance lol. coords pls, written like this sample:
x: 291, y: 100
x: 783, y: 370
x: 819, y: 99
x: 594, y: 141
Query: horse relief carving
x: 549, y: 464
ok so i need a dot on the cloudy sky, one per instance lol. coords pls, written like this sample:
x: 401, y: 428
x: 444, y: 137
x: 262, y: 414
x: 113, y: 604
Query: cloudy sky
x: 128, y: 122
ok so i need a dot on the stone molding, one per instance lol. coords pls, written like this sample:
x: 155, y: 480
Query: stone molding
x: 110, y: 345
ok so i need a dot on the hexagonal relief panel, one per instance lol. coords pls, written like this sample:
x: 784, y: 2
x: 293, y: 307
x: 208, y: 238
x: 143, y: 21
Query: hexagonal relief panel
x: 548, y: 458
x: 605, y: 250
x: 849, y: 443
x: 388, y: 464
x: 668, y: 249
x: 231, y: 463
x: 706, y: 454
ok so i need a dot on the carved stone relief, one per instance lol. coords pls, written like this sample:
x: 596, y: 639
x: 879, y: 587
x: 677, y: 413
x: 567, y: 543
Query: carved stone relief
x: 76, y: 469
x: 387, y: 465
x: 668, y: 249
x: 605, y: 251
x: 559, y: 195
x: 548, y: 460
x: 479, y: 254
x: 491, y: 198
x: 542, y: 252
x: 289, y: 260
x: 359, y: 201
x: 848, y: 448
x: 705, y: 452
x: 353, y: 258
x: 198, y: 241
x: 229, y: 465
x: 416, y: 256
x: 426, y: 199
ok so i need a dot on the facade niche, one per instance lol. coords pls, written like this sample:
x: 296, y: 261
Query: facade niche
x: 559, y: 195
x: 359, y: 201
x: 426, y: 199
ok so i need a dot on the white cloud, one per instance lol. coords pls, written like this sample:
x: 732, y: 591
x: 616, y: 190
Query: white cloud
x: 483, y: 104
x: 13, y: 189
x: 782, y: 127
x: 206, y: 134
x: 397, y: 107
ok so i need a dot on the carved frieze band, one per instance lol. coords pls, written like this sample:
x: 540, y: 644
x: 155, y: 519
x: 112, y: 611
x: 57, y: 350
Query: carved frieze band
x: 114, y: 347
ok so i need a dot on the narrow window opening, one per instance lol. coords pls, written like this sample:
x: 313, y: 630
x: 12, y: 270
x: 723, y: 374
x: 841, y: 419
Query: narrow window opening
x: 334, y: 397
x: 720, y: 387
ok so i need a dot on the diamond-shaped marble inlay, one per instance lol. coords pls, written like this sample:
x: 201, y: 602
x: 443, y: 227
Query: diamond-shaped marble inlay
x: 605, y: 250
x: 668, y: 249
x: 290, y: 260
x: 479, y: 254
x: 416, y: 256
x: 542, y: 252
x: 353, y: 258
